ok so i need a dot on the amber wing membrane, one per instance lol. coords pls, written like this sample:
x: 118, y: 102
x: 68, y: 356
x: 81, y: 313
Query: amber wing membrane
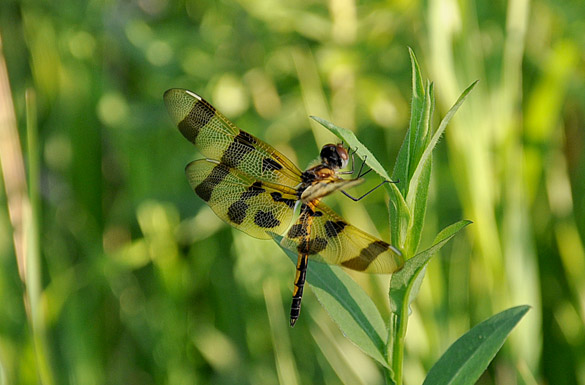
x: 334, y: 241
x: 219, y: 139
x: 240, y: 200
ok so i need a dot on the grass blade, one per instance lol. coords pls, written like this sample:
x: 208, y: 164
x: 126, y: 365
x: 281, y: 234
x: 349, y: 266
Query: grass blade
x: 285, y: 363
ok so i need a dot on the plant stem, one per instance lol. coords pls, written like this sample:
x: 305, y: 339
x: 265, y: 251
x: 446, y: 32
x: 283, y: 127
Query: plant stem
x: 398, y: 323
x: 395, y: 343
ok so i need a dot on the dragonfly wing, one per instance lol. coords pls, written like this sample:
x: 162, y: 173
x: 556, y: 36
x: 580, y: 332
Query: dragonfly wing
x: 219, y: 139
x: 334, y: 241
x: 240, y: 200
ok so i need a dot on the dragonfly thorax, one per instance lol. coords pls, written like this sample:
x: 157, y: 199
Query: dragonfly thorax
x: 317, y: 173
x: 318, y: 181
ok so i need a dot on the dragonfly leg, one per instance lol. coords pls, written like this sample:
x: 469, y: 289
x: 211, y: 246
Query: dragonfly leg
x: 366, y: 194
x: 369, y: 192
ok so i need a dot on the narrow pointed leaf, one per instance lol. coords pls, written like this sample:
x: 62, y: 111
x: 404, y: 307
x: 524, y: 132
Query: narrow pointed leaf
x: 348, y: 305
x: 429, y: 128
x: 422, y: 129
x: 437, y: 135
x: 401, y: 282
x: 400, y: 217
x: 420, y: 192
x: 402, y: 166
x: 469, y: 356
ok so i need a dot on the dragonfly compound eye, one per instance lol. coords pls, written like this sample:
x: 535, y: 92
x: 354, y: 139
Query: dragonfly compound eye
x: 331, y: 156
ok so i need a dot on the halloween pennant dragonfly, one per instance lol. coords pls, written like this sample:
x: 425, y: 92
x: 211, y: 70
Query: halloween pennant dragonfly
x: 256, y: 189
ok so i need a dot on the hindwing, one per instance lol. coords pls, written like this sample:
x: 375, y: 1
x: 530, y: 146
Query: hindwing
x: 240, y: 200
x: 334, y: 241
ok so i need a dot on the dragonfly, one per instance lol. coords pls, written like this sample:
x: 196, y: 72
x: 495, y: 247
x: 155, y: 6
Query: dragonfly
x: 256, y: 189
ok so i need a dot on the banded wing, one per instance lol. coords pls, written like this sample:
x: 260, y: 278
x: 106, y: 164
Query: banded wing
x: 336, y: 242
x: 240, y: 200
x: 219, y: 139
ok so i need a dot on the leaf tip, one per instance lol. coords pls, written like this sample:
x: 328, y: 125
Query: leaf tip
x: 413, y: 59
x: 524, y: 308
x: 472, y: 85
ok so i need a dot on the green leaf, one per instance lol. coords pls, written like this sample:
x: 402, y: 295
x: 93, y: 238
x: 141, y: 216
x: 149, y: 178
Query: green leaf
x: 402, y: 280
x: 469, y: 356
x: 435, y: 139
x: 348, y: 305
x: 400, y: 217
x: 423, y: 129
x: 403, y: 166
x: 429, y: 130
x: 406, y: 233
x: 421, y: 193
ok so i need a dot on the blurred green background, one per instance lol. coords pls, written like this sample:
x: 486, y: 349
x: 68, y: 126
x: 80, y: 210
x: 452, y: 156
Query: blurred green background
x: 137, y: 281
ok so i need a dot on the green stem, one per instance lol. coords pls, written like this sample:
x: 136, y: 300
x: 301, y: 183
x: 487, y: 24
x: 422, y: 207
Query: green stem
x: 398, y: 323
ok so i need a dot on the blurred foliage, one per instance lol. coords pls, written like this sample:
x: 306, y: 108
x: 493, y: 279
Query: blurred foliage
x: 141, y: 284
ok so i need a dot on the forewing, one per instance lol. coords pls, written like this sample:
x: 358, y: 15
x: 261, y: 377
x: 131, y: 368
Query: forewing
x: 336, y: 242
x: 219, y: 139
x: 240, y: 200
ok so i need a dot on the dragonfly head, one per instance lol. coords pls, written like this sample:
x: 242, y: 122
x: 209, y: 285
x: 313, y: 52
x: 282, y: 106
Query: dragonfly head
x: 334, y: 156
